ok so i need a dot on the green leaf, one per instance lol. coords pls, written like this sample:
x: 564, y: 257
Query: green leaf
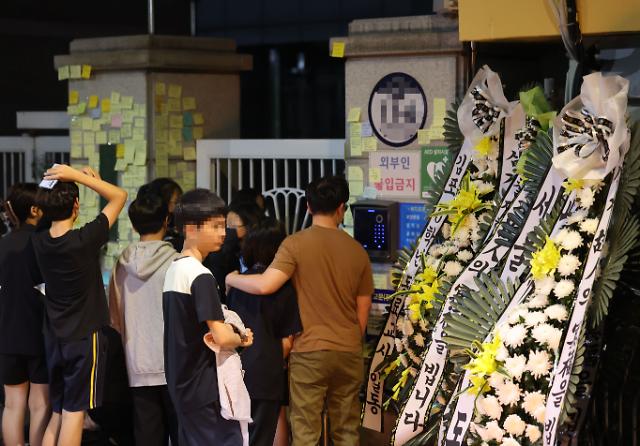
x: 452, y: 134
x: 570, y: 399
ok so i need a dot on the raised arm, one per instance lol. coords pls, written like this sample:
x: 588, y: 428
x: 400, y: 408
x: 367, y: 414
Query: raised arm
x: 115, y: 196
x: 224, y: 336
x: 268, y: 282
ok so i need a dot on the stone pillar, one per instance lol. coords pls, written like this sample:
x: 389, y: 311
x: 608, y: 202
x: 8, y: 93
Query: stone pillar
x: 401, y: 74
x: 146, y: 99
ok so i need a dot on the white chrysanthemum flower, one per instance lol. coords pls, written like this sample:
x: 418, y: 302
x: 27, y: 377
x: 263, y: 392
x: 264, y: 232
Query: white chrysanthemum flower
x: 568, y: 265
x: 509, y: 393
x: 533, y: 433
x: 419, y: 340
x: 569, y: 239
x: 590, y: 226
x: 496, y: 380
x: 540, y: 413
x: 586, y: 197
x: 577, y: 216
x: 531, y: 401
x: 423, y: 325
x: 461, y: 235
x: 539, y: 364
x: 516, y: 365
x: 516, y: 315
x: 407, y: 327
x: 563, y: 288
x: 492, y: 168
x: 534, y: 318
x: 446, y: 230
x: 399, y: 346
x: 483, y: 187
x: 452, y: 268
x: 435, y: 251
x: 490, y: 406
x: 510, y: 441
x: 538, y: 301
x: 475, y: 235
x: 545, y: 285
x: 502, y: 353
x: 493, y: 431
x: 546, y: 334
x: 556, y: 312
x: 413, y: 372
x: 404, y: 361
x: 514, y: 425
x: 465, y: 255
x: 513, y: 336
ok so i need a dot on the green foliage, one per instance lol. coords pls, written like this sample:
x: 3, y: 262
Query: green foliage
x: 475, y: 312
x: 570, y: 399
x: 452, y: 134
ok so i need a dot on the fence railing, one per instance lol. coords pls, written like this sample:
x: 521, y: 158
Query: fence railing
x: 227, y: 165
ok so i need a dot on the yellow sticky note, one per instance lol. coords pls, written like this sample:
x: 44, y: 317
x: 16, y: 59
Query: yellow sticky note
x: 113, y: 136
x: 120, y: 151
x: 126, y: 131
x: 63, y: 73
x: 115, y: 97
x: 121, y: 166
x: 87, y: 124
x: 126, y: 102
x: 175, y: 91
x: 354, y: 173
x: 375, y: 175
x: 356, y: 188
x: 175, y: 148
x: 76, y: 151
x: 173, y: 105
x: 86, y: 72
x: 188, y: 103
x: 76, y: 137
x: 140, y: 158
x: 129, y: 151
x: 89, y: 151
x: 370, y: 144
x: 198, y: 119
x: 354, y: 115
x: 96, y: 125
x: 175, y: 121
x: 423, y: 137
x: 105, y: 105
x: 101, y: 137
x: 72, y: 110
x: 189, y: 153
x: 128, y: 116
x: 356, y: 146
x: 93, y: 101
x: 175, y: 135
x: 138, y: 122
x: 161, y: 88
x: 81, y: 108
x: 198, y: 133
x: 355, y: 130
x: 138, y: 134
x: 75, y: 72
x: 88, y: 138
x: 436, y: 133
x: 337, y: 49
x: 74, y: 96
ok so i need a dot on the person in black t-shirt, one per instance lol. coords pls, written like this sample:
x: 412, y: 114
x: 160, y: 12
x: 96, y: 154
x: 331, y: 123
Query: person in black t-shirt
x: 275, y: 319
x: 76, y: 305
x: 23, y: 369
x: 191, y: 308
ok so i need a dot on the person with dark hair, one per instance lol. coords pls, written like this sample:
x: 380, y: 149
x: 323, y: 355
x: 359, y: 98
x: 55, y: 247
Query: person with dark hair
x: 192, y: 309
x: 135, y: 305
x: 170, y: 191
x: 23, y: 368
x: 332, y: 276
x: 76, y: 305
x: 249, y: 195
x: 275, y: 319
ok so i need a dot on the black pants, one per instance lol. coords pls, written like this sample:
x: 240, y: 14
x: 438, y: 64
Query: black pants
x: 154, y: 418
x: 265, y: 422
x: 206, y: 427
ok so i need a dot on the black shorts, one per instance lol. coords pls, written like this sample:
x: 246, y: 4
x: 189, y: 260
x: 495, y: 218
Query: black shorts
x: 206, y: 426
x: 77, y: 372
x: 16, y: 369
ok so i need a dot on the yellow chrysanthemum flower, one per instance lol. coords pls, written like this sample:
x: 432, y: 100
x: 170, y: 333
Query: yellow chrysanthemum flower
x: 483, y: 364
x: 484, y: 146
x: 545, y: 261
x: 572, y: 184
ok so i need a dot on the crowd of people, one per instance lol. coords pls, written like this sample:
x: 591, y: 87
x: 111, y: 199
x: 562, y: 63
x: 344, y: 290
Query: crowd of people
x: 216, y: 320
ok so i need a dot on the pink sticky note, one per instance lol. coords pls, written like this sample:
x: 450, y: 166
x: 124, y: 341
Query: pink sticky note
x: 116, y: 121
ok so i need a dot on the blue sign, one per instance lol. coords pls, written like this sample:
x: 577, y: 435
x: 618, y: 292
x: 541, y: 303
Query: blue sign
x: 413, y: 218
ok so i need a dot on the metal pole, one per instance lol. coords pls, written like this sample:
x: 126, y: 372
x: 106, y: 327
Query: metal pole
x: 192, y: 16
x: 150, y: 16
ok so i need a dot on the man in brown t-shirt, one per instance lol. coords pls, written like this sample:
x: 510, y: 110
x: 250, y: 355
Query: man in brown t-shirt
x: 331, y: 273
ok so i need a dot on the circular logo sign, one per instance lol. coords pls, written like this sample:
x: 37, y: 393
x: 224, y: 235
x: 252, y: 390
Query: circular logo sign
x: 397, y: 109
